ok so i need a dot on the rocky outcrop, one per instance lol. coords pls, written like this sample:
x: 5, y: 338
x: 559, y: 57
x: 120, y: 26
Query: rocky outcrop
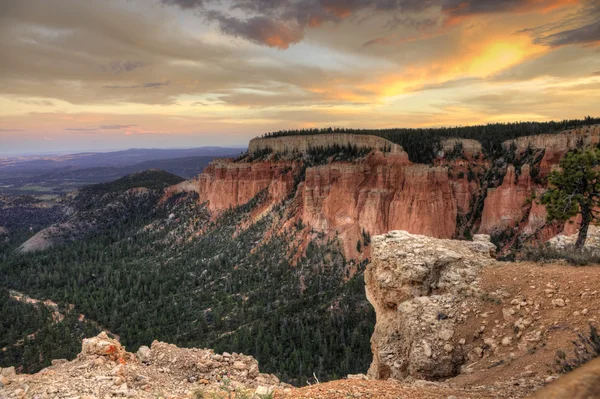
x: 555, y: 145
x: 560, y: 142
x: 414, y: 283
x: 107, y: 208
x: 506, y: 206
x: 105, y: 369
x: 303, y: 143
x: 470, y: 148
x: 566, y: 240
x: 50, y: 236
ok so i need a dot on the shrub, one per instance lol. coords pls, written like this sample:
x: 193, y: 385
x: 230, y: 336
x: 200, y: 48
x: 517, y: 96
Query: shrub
x: 547, y: 253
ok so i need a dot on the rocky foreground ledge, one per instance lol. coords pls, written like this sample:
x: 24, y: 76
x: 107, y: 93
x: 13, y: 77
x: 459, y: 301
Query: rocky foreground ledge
x: 104, y: 369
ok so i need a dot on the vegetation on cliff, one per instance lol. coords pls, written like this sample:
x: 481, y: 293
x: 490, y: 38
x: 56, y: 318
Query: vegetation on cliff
x: 422, y: 145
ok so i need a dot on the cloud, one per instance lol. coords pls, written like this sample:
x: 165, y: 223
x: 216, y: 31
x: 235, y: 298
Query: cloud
x: 456, y: 8
x: 260, y: 29
x: 582, y: 35
x: 110, y: 127
x: 101, y: 127
x: 579, y: 28
x: 41, y: 103
x: 185, y: 4
x: 150, y: 85
x: 282, y: 23
x: 125, y: 66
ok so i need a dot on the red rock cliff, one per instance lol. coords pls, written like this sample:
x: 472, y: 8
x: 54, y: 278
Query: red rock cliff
x: 226, y: 184
x: 506, y: 205
x: 383, y: 193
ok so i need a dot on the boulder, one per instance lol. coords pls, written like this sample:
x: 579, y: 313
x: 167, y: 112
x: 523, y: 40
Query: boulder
x: 102, y: 345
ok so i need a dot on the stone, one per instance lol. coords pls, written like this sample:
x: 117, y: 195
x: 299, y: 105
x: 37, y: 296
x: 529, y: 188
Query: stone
x: 144, y: 354
x: 263, y: 391
x: 427, y: 349
x: 239, y: 365
x: 102, y: 345
x: 558, y: 302
x: 357, y: 377
x: 8, y: 371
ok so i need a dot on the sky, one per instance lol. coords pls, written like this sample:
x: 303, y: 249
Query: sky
x: 114, y: 74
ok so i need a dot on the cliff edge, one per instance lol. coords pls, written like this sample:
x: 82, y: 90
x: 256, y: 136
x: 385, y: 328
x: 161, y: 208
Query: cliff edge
x: 303, y: 143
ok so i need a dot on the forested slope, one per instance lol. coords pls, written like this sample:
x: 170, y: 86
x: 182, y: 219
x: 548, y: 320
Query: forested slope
x: 179, y: 274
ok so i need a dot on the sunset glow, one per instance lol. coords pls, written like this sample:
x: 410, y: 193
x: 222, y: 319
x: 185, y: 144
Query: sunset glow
x: 110, y: 74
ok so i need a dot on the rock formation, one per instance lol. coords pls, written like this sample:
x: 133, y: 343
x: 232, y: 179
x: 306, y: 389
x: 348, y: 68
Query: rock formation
x: 414, y: 283
x: 104, y: 369
x: 505, y: 206
x: 564, y: 241
x: 555, y: 145
x: 303, y: 143
x: 470, y: 148
x: 384, y: 191
x: 226, y: 184
x: 381, y: 194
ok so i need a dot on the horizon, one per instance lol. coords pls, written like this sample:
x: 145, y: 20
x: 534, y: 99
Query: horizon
x: 106, y: 150
x: 188, y: 73
x: 102, y: 151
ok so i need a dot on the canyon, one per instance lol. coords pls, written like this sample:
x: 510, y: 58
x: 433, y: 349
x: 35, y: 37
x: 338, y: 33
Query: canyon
x: 460, y: 195
x: 273, y: 252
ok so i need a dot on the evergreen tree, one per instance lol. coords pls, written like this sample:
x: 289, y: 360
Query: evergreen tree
x: 575, y: 189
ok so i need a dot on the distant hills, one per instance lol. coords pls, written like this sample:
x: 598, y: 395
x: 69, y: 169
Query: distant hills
x: 62, y: 173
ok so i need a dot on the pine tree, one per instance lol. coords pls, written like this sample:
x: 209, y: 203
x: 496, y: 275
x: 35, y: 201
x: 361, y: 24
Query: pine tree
x: 575, y: 189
